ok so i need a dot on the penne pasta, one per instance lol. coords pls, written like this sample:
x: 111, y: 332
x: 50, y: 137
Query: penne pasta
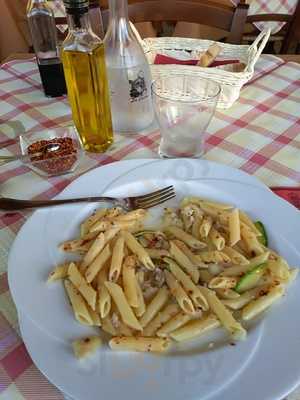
x: 138, y: 250
x: 194, y: 258
x: 183, y: 300
x: 185, y: 237
x: 259, y: 305
x: 76, y: 245
x: 59, y: 272
x: 114, y: 212
x: 93, y: 251
x: 157, y: 253
x: 234, y: 227
x: 236, y: 257
x: 214, y: 257
x: 98, y: 263
x: 205, y: 276
x: 205, y: 226
x: 155, y: 305
x: 279, y: 269
x: 86, y: 346
x: 141, y: 307
x: 227, y: 294
x: 195, y: 328
x: 199, y: 201
x: 102, y: 276
x: 238, y: 270
x: 94, y: 316
x: 216, y: 204
x: 86, y: 225
x: 124, y: 308
x: 192, y: 290
x: 254, y: 248
x: 215, y: 213
x: 130, y: 281
x: 107, y: 326
x: 86, y: 290
x: 104, y: 301
x: 132, y: 215
x: 247, y: 221
x: 101, y: 226
x: 162, y: 316
x: 156, y: 345
x: 116, y: 259
x: 78, y: 304
x: 243, y: 299
x: 196, y: 226
x: 100, y: 242
x: 217, y: 239
x: 222, y: 282
x: 224, y: 315
x: 174, y: 323
x: 184, y: 262
x: 124, y: 330
x: 209, y: 268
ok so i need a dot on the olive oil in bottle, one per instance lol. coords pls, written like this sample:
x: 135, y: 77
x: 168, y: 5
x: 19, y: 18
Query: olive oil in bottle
x: 85, y: 73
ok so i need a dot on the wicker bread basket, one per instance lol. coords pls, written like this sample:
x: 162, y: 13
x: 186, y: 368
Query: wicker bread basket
x: 184, y: 48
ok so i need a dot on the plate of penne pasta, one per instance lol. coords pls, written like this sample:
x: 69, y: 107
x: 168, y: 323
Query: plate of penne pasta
x: 196, y: 293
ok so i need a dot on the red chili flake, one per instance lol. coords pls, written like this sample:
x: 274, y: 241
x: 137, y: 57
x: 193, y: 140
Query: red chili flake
x: 57, y: 161
x: 86, y: 340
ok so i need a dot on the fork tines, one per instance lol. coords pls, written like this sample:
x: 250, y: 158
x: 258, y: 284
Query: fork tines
x: 155, y: 198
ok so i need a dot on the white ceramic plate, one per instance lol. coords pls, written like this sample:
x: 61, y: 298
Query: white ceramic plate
x: 242, y: 371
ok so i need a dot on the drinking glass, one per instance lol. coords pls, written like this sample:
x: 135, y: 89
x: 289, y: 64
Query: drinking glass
x: 184, y: 106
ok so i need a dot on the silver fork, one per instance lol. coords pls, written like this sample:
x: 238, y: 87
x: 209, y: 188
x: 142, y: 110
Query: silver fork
x: 128, y: 203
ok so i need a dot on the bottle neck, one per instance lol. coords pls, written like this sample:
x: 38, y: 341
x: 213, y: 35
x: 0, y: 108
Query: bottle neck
x: 119, y: 30
x: 118, y: 10
x: 32, y: 4
x: 78, y: 20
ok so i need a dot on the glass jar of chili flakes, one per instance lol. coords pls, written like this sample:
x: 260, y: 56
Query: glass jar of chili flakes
x: 59, y: 151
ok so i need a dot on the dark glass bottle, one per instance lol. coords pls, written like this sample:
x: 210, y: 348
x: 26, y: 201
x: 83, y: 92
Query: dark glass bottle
x: 44, y: 38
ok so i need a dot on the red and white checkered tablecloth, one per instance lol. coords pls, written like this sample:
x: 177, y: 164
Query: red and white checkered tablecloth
x: 257, y: 7
x: 260, y: 134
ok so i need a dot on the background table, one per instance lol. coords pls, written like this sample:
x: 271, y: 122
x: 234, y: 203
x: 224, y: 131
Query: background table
x: 260, y: 134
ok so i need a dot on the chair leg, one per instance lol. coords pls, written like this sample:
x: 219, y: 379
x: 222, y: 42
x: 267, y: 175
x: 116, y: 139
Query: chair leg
x: 238, y: 23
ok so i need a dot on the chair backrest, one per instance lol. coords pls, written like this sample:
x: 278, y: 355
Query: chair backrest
x: 290, y: 30
x: 17, y: 10
x: 217, y: 15
x: 293, y: 32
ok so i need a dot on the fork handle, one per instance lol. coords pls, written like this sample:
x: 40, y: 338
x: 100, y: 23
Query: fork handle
x: 9, y: 204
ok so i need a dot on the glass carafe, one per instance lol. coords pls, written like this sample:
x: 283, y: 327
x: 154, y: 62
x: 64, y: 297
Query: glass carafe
x: 128, y: 72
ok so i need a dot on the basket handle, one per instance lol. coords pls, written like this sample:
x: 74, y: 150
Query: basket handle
x: 257, y: 47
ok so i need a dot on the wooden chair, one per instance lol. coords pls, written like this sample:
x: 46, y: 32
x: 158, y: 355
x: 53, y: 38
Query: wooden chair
x: 290, y: 31
x: 212, y: 13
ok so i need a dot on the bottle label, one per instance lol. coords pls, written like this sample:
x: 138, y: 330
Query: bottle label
x: 138, y: 87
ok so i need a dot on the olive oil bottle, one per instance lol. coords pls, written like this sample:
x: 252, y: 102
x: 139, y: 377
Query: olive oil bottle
x: 85, y: 73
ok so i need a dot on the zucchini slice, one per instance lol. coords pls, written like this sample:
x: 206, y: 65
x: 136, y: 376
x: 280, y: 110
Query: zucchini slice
x: 250, y: 279
x: 263, y: 239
